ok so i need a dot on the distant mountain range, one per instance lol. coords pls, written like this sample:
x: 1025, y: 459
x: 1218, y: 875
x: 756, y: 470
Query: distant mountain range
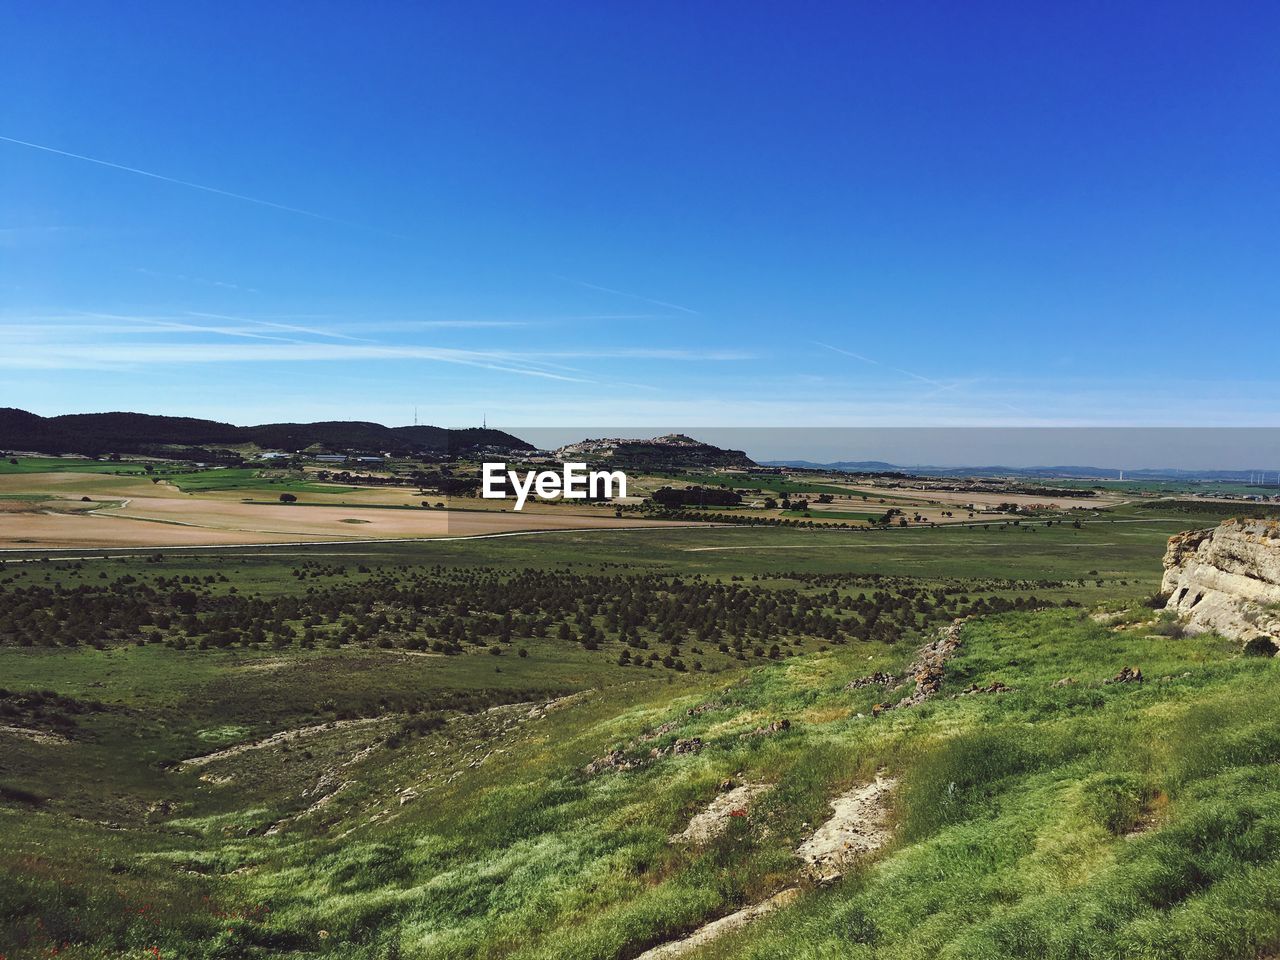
x: 1059, y: 473
x: 141, y: 433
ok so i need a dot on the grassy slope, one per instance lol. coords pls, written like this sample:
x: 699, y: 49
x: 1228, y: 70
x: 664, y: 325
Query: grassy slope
x: 1079, y: 821
x: 1088, y: 820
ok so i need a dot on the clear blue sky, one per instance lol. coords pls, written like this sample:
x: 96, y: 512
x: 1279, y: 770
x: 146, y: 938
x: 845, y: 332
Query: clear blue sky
x: 609, y: 213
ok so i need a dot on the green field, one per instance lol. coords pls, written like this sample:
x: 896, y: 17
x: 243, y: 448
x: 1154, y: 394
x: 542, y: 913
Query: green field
x: 122, y: 468
x: 400, y: 781
x: 833, y: 515
x: 765, y: 482
x: 244, y: 478
x: 186, y: 480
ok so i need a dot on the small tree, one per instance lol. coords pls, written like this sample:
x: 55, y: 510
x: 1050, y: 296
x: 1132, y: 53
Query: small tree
x: 288, y: 498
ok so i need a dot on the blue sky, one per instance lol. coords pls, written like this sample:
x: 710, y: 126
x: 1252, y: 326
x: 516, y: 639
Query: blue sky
x: 586, y: 213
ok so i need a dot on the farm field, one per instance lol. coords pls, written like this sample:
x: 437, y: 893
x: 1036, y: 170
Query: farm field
x: 73, y: 508
x: 68, y: 503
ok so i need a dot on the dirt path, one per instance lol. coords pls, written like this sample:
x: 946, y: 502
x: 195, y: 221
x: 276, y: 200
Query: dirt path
x: 120, y: 550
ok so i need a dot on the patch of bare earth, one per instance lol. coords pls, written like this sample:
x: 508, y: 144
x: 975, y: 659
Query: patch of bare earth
x: 37, y: 736
x: 859, y: 826
x: 718, y: 928
x: 714, y: 819
x: 276, y: 739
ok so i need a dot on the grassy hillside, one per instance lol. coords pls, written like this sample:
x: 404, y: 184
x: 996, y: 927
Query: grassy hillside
x: 364, y: 795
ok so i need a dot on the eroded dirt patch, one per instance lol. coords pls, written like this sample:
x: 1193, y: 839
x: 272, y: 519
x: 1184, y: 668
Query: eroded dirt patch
x: 36, y: 736
x: 714, y: 819
x: 718, y: 928
x: 858, y: 826
x: 276, y: 739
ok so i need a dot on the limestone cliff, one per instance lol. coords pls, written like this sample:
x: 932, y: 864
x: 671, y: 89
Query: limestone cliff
x: 1227, y: 579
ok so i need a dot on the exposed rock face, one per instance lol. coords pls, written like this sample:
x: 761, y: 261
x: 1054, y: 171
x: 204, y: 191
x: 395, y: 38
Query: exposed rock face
x: 1227, y: 579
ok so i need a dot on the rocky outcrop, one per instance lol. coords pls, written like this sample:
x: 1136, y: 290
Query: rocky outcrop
x: 1227, y: 580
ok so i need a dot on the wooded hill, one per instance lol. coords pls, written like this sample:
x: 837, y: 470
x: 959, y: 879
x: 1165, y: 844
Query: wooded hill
x: 139, y: 433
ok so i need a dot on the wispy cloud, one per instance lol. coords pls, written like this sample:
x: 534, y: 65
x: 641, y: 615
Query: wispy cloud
x: 939, y: 386
x: 218, y: 191
x: 67, y: 356
x: 455, y: 324
x: 865, y: 359
x: 202, y: 281
x: 219, y: 330
x: 288, y: 327
x: 624, y: 293
x: 45, y: 327
x: 121, y: 341
x: 482, y: 324
x: 647, y: 353
x: 19, y: 236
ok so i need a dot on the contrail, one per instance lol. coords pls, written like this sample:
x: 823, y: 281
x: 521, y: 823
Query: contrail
x: 623, y: 293
x: 908, y: 373
x: 941, y: 387
x: 199, y: 186
x: 282, y: 326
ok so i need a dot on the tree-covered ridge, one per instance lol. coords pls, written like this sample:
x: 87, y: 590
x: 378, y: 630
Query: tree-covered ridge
x: 99, y: 433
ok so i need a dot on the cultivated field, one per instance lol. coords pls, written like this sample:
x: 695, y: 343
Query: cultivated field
x: 68, y: 503
x: 83, y: 509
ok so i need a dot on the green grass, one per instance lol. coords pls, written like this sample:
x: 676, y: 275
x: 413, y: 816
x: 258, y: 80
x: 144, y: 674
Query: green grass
x: 833, y: 515
x: 1078, y: 821
x: 1110, y: 551
x: 765, y: 482
x: 1087, y: 821
x: 242, y: 478
x: 187, y: 480
x: 71, y: 465
x: 1202, y: 508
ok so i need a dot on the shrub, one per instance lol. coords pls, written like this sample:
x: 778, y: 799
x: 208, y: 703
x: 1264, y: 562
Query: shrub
x: 1260, y: 647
